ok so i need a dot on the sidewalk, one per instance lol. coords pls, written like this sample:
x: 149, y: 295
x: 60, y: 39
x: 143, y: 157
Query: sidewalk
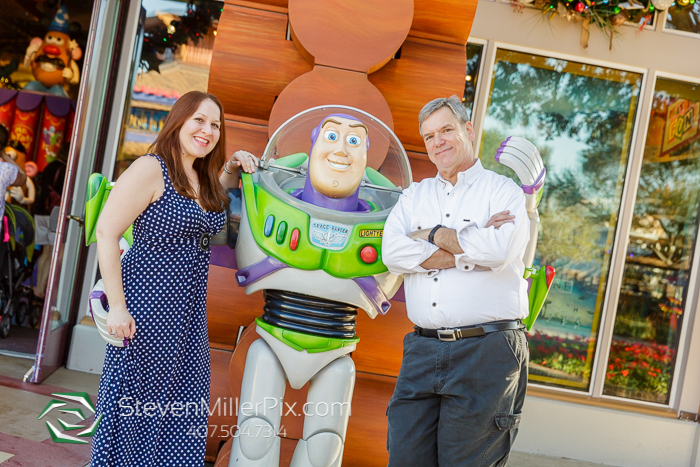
x: 25, y: 441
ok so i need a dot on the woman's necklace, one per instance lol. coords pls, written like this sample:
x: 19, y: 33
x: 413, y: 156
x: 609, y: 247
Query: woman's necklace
x: 195, y: 186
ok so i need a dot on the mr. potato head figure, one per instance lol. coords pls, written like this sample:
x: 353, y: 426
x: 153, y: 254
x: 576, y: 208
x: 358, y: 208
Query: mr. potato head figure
x: 53, y: 58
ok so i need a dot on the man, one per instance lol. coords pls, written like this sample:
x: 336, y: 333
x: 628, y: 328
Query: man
x: 461, y: 386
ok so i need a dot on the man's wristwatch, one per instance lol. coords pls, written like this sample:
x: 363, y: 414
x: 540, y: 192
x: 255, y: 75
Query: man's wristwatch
x: 431, y: 235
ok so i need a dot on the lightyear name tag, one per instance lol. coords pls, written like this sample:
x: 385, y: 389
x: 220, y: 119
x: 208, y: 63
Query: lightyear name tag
x: 329, y: 235
x: 373, y: 233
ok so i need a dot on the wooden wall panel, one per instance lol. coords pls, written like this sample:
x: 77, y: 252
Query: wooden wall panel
x: 443, y: 20
x: 228, y: 307
x: 421, y: 166
x: 253, y: 62
x: 223, y: 416
x: 381, y: 341
x: 325, y: 86
x: 262, y: 79
x: 426, y: 70
x: 246, y: 136
x: 364, y: 35
x: 365, y: 445
x: 273, y: 5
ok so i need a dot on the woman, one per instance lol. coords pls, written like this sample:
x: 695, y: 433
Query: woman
x: 154, y: 392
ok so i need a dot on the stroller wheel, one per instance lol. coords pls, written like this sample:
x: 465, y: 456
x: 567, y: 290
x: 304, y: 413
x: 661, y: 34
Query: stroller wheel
x: 5, y: 325
x: 21, y: 312
x: 35, y: 315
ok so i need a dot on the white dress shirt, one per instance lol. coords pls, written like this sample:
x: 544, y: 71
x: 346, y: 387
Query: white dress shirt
x: 487, y: 282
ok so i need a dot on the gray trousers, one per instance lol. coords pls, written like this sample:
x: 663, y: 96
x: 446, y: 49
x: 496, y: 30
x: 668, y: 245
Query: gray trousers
x: 457, y: 403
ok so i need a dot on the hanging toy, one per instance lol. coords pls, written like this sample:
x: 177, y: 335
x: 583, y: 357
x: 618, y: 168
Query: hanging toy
x: 52, y: 59
x: 22, y: 195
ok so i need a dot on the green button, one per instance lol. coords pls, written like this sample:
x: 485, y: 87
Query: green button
x: 281, y: 232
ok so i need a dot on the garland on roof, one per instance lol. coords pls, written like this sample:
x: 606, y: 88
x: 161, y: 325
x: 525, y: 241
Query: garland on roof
x: 606, y: 14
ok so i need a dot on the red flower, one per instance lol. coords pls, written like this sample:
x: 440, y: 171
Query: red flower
x: 625, y: 372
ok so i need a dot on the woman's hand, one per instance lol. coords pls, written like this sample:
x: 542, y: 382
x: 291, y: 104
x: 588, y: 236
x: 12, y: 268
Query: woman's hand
x: 120, y: 323
x: 242, y: 160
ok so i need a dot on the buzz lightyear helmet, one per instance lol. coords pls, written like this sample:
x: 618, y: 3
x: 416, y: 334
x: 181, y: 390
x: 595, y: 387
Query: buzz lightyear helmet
x: 285, y: 161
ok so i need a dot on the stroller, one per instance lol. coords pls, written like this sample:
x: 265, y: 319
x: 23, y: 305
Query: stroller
x: 17, y: 261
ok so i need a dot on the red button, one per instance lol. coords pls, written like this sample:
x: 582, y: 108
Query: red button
x: 368, y: 254
x: 294, y: 240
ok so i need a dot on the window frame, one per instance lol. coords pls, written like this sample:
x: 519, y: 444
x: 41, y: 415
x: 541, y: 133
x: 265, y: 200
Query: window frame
x: 479, y: 83
x: 624, y: 216
x: 685, y: 392
x: 663, y: 19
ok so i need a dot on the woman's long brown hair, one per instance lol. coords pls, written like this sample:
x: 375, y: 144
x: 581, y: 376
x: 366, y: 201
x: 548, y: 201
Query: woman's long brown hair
x: 167, y: 146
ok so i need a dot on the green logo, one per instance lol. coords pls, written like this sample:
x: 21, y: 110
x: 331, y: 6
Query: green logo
x: 57, y: 435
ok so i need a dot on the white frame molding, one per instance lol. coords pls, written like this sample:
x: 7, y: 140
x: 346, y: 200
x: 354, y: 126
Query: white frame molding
x: 676, y: 32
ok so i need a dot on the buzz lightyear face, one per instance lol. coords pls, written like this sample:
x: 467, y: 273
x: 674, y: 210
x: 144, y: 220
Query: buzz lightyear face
x: 339, y: 157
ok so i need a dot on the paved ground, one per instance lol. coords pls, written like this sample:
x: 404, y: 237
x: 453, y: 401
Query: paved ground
x: 25, y: 441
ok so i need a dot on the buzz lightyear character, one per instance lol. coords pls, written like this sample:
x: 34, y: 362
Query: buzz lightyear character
x: 309, y: 236
x: 524, y: 159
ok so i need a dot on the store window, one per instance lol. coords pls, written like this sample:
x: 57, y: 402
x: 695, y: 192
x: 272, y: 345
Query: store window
x: 42, y: 48
x: 471, y: 80
x: 175, y: 48
x: 684, y: 15
x: 654, y: 293
x: 581, y: 118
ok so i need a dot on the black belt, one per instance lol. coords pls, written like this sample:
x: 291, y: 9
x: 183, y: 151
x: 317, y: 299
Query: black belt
x: 476, y: 330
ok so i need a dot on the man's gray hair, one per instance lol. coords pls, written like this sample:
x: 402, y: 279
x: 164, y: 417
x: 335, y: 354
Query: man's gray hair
x: 453, y: 102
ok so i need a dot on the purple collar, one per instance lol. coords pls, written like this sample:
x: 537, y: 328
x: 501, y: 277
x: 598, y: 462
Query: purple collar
x: 352, y: 203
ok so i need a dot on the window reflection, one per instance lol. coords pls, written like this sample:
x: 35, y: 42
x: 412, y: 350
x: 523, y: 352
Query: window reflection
x: 657, y: 267
x: 474, y: 54
x: 175, y: 48
x: 684, y: 16
x: 581, y: 118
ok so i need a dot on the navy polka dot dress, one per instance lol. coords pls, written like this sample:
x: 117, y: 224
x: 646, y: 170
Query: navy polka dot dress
x: 154, y: 393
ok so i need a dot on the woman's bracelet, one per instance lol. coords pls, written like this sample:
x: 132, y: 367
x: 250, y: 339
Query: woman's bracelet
x: 226, y: 168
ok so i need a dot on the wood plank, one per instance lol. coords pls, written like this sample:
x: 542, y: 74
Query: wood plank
x: 381, y: 341
x: 421, y: 166
x: 324, y: 86
x: 252, y: 61
x: 278, y: 6
x: 365, y: 445
x: 228, y: 307
x: 361, y: 35
x: 450, y: 20
x: 246, y: 136
x: 425, y: 71
x: 223, y: 417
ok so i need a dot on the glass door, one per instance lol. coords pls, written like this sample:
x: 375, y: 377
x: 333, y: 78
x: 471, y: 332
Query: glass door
x: 107, y: 22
